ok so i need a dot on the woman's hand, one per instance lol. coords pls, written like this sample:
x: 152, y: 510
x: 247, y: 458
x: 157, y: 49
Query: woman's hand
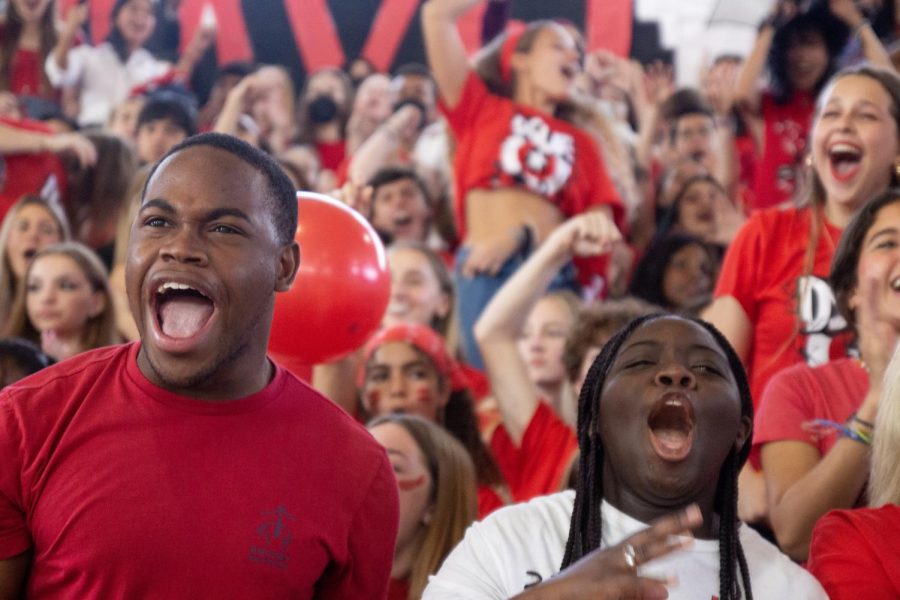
x: 589, y: 234
x: 612, y: 572
x: 78, y: 145
x: 76, y: 17
x: 486, y: 257
x: 357, y: 196
x: 877, y: 339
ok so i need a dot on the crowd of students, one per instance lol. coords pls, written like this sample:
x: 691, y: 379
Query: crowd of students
x: 535, y: 200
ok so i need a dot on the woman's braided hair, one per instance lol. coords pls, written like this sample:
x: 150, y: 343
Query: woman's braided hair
x: 585, y: 528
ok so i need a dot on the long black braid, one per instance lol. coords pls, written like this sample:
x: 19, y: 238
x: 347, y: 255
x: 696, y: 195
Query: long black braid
x: 586, y: 525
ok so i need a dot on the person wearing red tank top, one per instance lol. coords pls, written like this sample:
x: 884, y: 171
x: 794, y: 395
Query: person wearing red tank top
x: 188, y: 464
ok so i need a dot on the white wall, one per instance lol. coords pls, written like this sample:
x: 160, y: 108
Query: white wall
x: 700, y: 30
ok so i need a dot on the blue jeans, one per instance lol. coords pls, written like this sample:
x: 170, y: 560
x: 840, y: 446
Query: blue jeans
x: 474, y: 293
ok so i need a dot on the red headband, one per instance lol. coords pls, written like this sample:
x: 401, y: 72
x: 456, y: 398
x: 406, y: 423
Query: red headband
x: 514, y: 33
x: 423, y: 339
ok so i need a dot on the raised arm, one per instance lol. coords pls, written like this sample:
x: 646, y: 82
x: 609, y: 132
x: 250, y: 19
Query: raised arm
x: 76, y: 17
x: 497, y: 330
x: 872, y: 48
x: 380, y: 149
x: 20, y: 141
x: 444, y: 47
x: 746, y: 90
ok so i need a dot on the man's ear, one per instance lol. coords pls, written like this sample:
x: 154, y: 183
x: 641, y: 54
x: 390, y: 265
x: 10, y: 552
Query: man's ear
x: 288, y: 263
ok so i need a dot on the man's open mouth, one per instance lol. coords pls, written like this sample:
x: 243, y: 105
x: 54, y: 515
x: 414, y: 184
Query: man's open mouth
x: 181, y: 310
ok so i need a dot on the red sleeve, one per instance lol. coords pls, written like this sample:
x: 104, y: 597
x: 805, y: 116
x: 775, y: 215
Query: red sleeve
x: 370, y: 542
x: 14, y: 536
x: 471, y: 102
x: 844, y: 562
x: 738, y: 277
x: 785, y: 407
x: 537, y: 466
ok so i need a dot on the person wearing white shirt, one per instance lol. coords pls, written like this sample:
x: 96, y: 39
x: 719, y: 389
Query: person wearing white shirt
x: 105, y: 74
x: 665, y: 422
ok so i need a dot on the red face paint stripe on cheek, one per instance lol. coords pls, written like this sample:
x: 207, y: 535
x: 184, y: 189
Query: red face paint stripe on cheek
x: 374, y: 398
x: 424, y: 397
x: 406, y: 485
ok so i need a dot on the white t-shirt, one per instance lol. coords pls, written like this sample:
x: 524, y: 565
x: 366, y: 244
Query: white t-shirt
x: 524, y: 544
x: 104, y: 80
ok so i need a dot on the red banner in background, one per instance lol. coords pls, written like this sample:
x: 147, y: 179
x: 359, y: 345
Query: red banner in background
x: 607, y: 24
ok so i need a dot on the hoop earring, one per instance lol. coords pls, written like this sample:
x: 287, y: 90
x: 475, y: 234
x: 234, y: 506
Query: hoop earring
x: 896, y: 172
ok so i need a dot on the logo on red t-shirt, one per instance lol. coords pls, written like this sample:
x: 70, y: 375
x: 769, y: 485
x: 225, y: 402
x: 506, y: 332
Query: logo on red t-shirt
x: 819, y: 317
x: 536, y: 156
x: 275, y: 537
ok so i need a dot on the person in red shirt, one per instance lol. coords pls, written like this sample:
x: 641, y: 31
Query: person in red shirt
x: 811, y: 469
x: 188, y: 464
x: 406, y: 368
x: 522, y: 164
x: 771, y: 299
x: 801, y: 49
x: 854, y: 552
x: 27, y: 36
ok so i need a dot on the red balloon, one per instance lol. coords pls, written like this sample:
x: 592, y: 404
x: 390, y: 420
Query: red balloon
x: 342, y: 286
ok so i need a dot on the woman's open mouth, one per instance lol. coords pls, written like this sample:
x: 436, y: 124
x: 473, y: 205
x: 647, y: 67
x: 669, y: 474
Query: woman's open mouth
x: 671, y: 425
x: 845, y: 161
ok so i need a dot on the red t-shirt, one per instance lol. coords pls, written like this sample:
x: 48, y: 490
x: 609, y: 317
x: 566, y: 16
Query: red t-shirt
x: 854, y: 553
x: 127, y: 490
x: 763, y: 271
x: 538, y: 465
x: 785, y: 138
x: 502, y: 144
x: 800, y: 394
x: 42, y: 174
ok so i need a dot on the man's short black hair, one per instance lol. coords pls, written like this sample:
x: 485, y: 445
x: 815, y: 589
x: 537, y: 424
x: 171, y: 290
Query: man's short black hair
x: 281, y: 197
x: 159, y: 108
x: 387, y: 175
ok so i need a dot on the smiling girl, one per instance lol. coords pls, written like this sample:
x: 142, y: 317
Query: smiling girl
x: 771, y: 300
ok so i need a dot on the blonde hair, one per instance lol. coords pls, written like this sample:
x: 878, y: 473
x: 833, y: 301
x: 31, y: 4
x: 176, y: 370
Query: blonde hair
x: 884, y: 479
x: 454, y: 503
x: 9, y: 287
x: 99, y: 330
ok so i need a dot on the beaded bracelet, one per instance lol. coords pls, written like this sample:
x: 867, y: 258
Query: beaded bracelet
x: 856, y: 434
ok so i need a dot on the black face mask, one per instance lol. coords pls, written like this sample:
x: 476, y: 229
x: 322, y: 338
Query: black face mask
x: 322, y: 109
